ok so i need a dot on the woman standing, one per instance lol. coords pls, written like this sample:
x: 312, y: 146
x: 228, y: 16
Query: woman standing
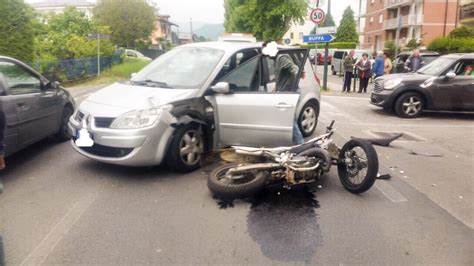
x: 365, y: 71
x: 388, y: 63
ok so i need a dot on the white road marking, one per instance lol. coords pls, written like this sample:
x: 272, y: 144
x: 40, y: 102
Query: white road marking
x: 47, y: 245
x: 390, y: 192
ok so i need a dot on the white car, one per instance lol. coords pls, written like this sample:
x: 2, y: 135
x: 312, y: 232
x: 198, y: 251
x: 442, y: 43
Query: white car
x: 196, y: 98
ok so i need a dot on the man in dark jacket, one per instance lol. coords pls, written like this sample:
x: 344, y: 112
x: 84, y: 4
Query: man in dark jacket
x: 349, y: 62
x: 414, y: 62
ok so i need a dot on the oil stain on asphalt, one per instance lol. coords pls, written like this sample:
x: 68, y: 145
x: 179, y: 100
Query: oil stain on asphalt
x: 284, y: 223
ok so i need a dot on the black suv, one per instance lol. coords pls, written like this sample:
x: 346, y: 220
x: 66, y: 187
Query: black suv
x: 446, y: 84
x: 399, y: 62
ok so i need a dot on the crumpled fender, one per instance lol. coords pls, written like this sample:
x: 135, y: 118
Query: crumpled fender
x: 186, y: 119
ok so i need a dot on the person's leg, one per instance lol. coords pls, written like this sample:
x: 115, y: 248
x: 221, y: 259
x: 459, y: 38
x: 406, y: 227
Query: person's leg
x: 346, y: 81
x: 297, y: 136
x: 366, y: 85
x: 361, y: 85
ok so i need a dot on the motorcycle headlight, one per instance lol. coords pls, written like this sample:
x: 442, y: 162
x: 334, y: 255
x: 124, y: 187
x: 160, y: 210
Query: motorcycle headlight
x: 392, y: 83
x: 136, y: 119
x: 428, y: 82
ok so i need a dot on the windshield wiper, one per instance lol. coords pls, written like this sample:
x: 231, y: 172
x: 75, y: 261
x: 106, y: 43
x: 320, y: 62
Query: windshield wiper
x: 152, y: 83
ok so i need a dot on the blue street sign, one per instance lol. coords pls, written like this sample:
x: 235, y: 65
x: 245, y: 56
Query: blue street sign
x: 320, y: 38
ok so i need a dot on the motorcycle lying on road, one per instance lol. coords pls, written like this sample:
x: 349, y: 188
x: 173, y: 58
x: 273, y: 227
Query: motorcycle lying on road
x: 251, y: 169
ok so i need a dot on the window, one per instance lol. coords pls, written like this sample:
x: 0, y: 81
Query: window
x: 236, y: 60
x: 381, y: 18
x: 244, y: 78
x: 372, y: 1
x: 464, y: 68
x: 371, y: 19
x: 369, y: 39
x: 292, y: 35
x: 301, y: 36
x: 18, y: 80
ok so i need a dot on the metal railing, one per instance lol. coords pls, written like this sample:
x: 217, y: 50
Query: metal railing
x: 407, y: 20
x: 396, y: 3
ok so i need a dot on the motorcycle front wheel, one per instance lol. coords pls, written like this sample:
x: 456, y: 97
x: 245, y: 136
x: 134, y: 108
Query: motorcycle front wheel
x: 358, y: 166
x: 226, y: 185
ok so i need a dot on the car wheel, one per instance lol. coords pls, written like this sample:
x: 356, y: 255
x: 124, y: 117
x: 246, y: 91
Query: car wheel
x: 333, y: 71
x: 186, y: 149
x: 63, y: 134
x: 409, y: 105
x: 308, y: 119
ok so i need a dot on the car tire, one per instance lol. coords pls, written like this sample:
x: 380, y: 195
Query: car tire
x: 186, y: 148
x: 333, y: 71
x: 409, y: 105
x: 63, y: 134
x: 308, y: 119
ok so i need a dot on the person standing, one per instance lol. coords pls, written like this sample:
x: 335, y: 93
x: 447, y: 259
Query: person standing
x: 387, y: 63
x: 349, y: 62
x: 414, y: 62
x: 365, y: 71
x: 379, y: 65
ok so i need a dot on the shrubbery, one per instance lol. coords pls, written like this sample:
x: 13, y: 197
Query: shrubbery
x: 333, y: 45
x: 452, y: 45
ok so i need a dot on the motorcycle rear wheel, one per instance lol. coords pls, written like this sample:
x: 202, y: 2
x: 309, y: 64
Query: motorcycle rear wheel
x: 358, y: 166
x: 242, y: 185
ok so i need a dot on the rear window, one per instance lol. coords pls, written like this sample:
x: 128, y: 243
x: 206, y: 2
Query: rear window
x: 338, y: 54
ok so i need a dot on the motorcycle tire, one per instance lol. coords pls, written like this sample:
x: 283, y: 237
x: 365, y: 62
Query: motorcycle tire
x: 349, y: 172
x: 247, y: 186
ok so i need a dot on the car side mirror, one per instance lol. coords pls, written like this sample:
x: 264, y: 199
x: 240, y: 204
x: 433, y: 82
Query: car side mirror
x: 451, y: 75
x: 55, y: 85
x: 221, y: 88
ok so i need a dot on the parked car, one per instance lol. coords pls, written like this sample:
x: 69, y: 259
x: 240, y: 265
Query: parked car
x: 196, y: 98
x: 441, y: 85
x: 337, y: 62
x: 136, y: 54
x: 34, y: 107
x: 318, y: 58
x: 401, y: 58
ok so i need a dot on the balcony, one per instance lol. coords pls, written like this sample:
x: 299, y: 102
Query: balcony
x: 466, y: 14
x: 408, y: 20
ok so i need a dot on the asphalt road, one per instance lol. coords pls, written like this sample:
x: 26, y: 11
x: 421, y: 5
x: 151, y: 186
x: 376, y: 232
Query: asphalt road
x: 61, y: 208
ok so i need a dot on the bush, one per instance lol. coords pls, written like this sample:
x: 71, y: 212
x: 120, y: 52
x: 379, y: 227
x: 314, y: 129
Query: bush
x: 462, y: 32
x: 333, y: 45
x: 446, y: 45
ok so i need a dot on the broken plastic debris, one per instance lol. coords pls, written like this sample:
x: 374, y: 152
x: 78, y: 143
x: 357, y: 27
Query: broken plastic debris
x: 401, y: 172
x: 319, y: 186
x: 406, y: 177
x: 434, y: 185
x: 460, y: 197
x: 384, y: 177
x: 426, y: 154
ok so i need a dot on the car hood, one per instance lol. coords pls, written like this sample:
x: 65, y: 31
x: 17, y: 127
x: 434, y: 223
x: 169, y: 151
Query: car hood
x: 133, y: 97
x: 407, y: 78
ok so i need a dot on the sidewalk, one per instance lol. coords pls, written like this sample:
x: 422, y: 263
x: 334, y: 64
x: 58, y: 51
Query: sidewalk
x: 335, y: 89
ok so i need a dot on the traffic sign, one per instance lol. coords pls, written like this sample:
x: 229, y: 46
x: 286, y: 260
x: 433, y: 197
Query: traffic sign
x: 317, y: 15
x: 287, y: 41
x: 319, y: 38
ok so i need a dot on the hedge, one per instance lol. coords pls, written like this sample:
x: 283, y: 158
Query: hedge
x: 446, y: 45
x: 332, y: 45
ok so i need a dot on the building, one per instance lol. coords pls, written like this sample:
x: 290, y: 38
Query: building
x: 422, y: 20
x: 294, y: 35
x: 466, y: 13
x: 58, y: 6
x: 164, y: 31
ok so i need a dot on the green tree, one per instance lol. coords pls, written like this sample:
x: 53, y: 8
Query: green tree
x: 16, y: 29
x: 462, y: 32
x: 266, y: 19
x: 347, y: 30
x: 131, y: 21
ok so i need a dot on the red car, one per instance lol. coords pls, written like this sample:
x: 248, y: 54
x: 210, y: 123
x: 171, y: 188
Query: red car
x: 320, y: 57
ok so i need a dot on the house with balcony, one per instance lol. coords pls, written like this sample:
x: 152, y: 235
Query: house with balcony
x: 165, y: 32
x: 403, y: 20
x: 466, y: 13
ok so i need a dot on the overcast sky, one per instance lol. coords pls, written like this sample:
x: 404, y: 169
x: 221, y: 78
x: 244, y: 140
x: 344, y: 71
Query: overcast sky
x: 212, y: 11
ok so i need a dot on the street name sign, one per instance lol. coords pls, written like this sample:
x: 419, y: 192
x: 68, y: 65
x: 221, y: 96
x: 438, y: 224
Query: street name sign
x: 319, y: 38
x: 326, y: 30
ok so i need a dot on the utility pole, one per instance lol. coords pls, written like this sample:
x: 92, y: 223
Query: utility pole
x: 191, y: 27
x: 326, y: 54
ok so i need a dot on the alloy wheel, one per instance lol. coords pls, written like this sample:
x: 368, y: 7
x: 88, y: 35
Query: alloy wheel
x: 308, y: 119
x: 411, y: 105
x: 191, y: 147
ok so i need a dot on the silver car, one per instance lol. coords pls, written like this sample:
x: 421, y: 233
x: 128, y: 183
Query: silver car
x: 196, y: 98
x: 34, y: 107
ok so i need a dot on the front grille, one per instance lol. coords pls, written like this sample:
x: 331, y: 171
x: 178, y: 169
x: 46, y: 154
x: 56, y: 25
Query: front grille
x: 79, y: 116
x: 103, y: 122
x: 106, y: 151
x: 377, y: 87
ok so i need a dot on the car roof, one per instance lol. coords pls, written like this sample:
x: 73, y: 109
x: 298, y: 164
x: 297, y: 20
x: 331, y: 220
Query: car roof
x: 232, y: 47
x: 460, y: 56
x: 421, y: 53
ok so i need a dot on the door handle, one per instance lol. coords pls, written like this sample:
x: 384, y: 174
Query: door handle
x: 283, y: 105
x: 23, y: 106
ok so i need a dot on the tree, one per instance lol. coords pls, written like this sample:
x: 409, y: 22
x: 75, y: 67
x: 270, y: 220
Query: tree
x: 347, y: 31
x: 131, y: 21
x: 16, y: 30
x: 266, y: 19
x: 462, y: 32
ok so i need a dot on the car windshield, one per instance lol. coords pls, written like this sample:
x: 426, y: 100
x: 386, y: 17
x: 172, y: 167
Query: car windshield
x: 183, y: 68
x: 437, y: 66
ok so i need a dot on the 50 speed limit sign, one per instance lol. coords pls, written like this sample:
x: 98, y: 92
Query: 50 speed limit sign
x: 317, y: 15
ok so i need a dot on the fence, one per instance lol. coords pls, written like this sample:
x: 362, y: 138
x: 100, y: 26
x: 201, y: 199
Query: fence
x: 74, y: 69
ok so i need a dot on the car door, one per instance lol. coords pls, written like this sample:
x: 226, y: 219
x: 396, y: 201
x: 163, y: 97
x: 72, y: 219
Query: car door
x: 454, y: 93
x: 24, y: 97
x: 11, y: 134
x: 256, y: 113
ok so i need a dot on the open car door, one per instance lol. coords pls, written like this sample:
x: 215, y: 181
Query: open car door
x: 260, y: 108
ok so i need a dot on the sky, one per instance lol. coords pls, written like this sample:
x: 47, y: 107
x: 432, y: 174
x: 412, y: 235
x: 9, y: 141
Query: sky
x: 212, y: 11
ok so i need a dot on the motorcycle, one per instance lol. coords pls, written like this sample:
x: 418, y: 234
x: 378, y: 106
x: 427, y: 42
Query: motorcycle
x: 251, y: 169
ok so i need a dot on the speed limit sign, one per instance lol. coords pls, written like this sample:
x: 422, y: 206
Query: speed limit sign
x: 317, y: 15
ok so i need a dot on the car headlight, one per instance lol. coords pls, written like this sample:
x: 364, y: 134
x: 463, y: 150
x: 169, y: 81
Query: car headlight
x: 136, y: 119
x: 428, y: 82
x: 392, y: 83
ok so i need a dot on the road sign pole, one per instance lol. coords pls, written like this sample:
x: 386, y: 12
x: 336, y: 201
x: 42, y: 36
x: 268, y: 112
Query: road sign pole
x: 98, y: 54
x: 325, y: 77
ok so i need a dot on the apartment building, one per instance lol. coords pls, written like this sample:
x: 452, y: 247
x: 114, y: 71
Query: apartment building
x: 466, y: 12
x: 423, y: 20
